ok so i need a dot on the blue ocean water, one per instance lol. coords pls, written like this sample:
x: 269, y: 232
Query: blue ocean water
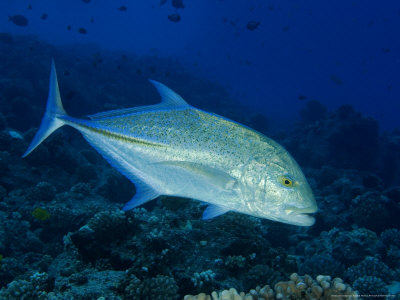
x: 344, y: 52
x: 322, y: 78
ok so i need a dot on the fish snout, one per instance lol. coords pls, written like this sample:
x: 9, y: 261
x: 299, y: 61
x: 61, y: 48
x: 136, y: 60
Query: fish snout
x: 290, y: 209
x: 302, y: 216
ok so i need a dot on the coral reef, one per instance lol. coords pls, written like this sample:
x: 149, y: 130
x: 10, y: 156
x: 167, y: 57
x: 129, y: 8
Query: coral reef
x: 370, y: 210
x: 158, y: 288
x: 298, y: 287
x: 371, y: 267
x: 321, y: 263
x: 63, y: 234
x: 370, y: 285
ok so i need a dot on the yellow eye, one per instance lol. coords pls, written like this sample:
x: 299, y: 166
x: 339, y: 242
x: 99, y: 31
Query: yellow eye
x: 286, y: 181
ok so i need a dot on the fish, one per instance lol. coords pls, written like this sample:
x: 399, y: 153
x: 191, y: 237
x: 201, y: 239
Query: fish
x: 82, y: 30
x: 174, y: 18
x: 15, y: 134
x: 18, y: 20
x: 122, y: 8
x: 302, y: 97
x: 178, y: 4
x: 336, y: 79
x: 252, y: 25
x: 175, y: 149
x: 43, y: 16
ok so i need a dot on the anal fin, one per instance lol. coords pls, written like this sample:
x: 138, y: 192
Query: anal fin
x: 213, y: 211
x: 143, y: 194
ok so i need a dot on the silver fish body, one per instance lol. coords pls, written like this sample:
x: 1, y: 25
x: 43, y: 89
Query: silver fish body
x: 175, y: 149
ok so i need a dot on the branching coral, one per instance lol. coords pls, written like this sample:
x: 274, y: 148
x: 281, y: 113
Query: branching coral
x: 34, y: 288
x: 202, y: 279
x: 370, y: 266
x: 298, y: 287
x: 370, y: 285
x: 319, y: 263
x: 160, y: 287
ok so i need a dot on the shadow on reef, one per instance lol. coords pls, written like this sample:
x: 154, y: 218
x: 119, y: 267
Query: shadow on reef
x: 63, y: 235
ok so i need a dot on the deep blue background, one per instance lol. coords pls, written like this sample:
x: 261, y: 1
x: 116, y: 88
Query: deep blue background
x: 336, y: 52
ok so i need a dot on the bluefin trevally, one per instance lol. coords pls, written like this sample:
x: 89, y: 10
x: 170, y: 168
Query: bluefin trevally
x: 174, y: 149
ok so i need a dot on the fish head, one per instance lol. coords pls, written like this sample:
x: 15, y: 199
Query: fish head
x: 295, y: 200
x: 285, y: 195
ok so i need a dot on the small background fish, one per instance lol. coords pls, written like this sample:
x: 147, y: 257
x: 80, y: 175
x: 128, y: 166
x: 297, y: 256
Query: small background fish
x: 18, y: 20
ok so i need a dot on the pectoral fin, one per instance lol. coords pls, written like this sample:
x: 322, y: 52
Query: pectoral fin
x: 212, y: 175
x: 213, y: 211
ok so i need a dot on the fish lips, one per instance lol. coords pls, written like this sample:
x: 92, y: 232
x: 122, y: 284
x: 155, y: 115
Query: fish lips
x: 302, y: 219
x: 301, y: 216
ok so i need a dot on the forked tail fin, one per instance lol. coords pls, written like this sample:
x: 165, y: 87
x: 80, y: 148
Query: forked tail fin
x: 54, y: 109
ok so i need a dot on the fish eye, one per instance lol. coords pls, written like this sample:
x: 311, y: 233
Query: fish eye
x: 286, y: 181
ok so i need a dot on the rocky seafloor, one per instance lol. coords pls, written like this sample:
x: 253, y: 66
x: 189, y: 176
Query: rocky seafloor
x: 63, y: 234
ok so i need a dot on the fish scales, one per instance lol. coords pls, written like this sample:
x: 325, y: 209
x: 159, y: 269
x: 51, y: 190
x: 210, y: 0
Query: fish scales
x: 175, y: 149
x: 194, y: 135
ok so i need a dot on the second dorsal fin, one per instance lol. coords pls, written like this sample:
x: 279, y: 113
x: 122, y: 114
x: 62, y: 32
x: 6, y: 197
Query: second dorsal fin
x: 168, y: 96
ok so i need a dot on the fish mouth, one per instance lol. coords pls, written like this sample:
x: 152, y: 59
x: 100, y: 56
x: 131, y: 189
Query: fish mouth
x: 293, y: 210
x: 303, y: 219
x: 301, y: 216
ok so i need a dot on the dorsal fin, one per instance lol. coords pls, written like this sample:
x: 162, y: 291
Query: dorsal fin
x: 168, y: 96
x: 122, y: 112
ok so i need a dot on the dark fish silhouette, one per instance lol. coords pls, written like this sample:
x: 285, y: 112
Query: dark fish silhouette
x: 69, y: 27
x: 43, y: 17
x: 252, y: 25
x: 174, y: 18
x: 91, y: 20
x: 86, y: 1
x: 178, y: 4
x: 302, y: 97
x: 162, y: 2
x: 18, y: 20
x: 122, y: 8
x: 82, y: 30
x: 336, y: 79
x: 29, y: 6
